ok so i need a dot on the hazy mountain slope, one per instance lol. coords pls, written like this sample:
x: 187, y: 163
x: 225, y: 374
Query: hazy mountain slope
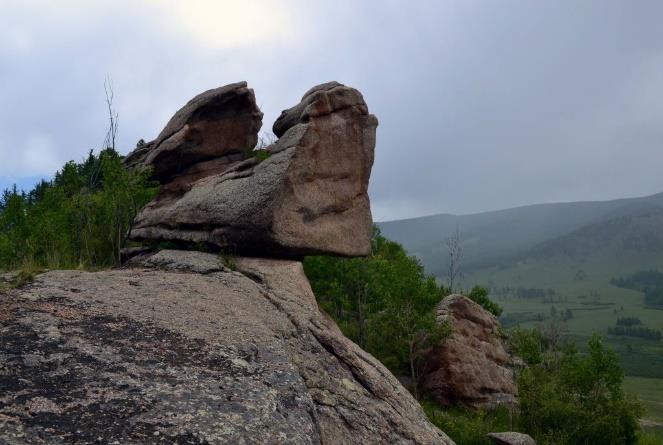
x: 499, y: 237
x: 638, y: 233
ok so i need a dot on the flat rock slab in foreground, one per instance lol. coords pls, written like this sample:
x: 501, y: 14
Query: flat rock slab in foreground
x: 167, y: 356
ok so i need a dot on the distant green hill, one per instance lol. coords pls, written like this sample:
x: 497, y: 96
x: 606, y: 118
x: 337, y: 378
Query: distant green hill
x: 639, y: 232
x: 502, y: 237
x: 558, y: 263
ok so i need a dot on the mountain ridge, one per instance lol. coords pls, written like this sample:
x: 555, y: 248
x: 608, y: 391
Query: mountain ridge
x: 658, y: 195
x: 495, y: 237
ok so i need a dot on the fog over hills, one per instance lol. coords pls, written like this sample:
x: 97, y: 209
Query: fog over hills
x: 498, y: 238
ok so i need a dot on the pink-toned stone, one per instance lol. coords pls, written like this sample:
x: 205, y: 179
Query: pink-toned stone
x: 472, y: 366
x: 309, y: 197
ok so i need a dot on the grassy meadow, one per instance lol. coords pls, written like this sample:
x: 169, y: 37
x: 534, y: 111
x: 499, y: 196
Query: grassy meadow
x: 584, y: 289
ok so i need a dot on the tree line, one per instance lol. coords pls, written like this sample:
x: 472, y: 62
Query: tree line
x: 628, y: 321
x: 649, y: 282
x: 80, y: 218
x: 635, y: 331
x: 571, y: 398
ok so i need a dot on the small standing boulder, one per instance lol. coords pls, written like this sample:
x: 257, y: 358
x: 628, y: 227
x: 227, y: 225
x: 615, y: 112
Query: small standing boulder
x: 471, y: 367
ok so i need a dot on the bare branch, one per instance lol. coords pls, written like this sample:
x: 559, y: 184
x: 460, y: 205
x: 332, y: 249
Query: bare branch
x: 265, y: 140
x: 454, y: 271
x: 111, y: 134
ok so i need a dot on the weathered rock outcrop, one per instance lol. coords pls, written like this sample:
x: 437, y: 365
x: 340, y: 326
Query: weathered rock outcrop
x: 177, y: 348
x: 472, y: 366
x: 210, y: 134
x: 308, y: 197
x: 171, y: 356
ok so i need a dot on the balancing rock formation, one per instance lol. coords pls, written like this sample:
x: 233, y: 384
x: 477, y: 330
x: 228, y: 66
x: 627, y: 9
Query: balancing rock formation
x: 472, y: 367
x: 308, y: 197
x: 176, y: 348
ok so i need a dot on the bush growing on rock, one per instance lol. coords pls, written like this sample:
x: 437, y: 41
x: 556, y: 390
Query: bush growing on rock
x: 479, y: 295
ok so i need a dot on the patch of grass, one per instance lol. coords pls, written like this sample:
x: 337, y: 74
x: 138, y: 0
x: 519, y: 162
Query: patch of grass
x: 466, y: 427
x: 165, y: 245
x: 650, y: 393
x: 650, y: 438
x: 228, y: 260
x: 201, y: 246
x: 260, y: 154
x: 26, y: 275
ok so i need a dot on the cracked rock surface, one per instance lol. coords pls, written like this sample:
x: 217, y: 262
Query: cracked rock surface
x: 181, y: 350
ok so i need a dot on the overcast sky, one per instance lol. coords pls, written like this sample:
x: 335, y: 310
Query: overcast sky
x: 482, y: 104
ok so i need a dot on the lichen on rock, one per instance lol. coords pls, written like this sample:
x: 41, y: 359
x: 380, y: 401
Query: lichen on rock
x: 217, y: 357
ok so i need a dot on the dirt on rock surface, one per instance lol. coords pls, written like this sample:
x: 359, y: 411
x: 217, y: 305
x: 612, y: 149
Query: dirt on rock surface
x: 169, y: 356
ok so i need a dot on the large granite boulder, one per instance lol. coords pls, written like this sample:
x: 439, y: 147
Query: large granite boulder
x: 472, y: 367
x: 183, y: 350
x: 310, y: 196
x: 211, y: 133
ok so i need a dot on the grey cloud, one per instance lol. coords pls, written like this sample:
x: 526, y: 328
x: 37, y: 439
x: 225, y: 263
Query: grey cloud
x: 482, y: 105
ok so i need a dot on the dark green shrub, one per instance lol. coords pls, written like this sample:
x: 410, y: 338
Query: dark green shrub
x: 577, y: 399
x: 479, y: 295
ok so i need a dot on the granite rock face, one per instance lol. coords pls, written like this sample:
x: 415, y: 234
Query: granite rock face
x: 310, y: 196
x: 185, y: 347
x: 211, y: 133
x: 319, y: 101
x: 472, y: 367
x: 160, y: 354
